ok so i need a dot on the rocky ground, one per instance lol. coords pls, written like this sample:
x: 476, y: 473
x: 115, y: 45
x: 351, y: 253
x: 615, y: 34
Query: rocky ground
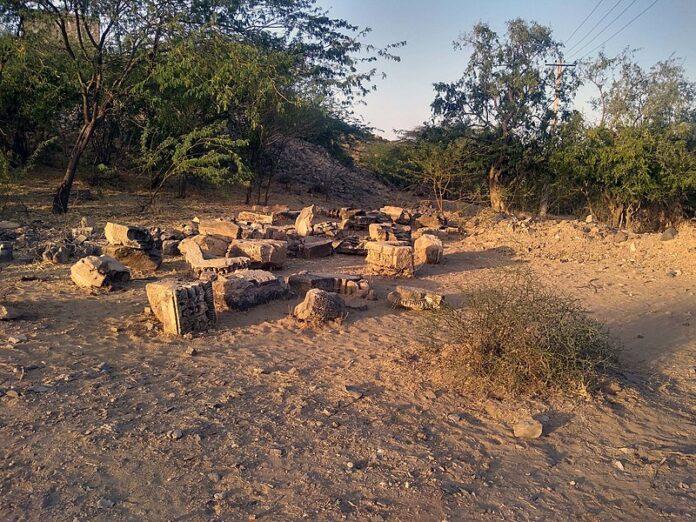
x: 103, y: 418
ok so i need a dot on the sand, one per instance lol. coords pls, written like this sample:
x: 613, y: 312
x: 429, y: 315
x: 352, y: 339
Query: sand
x: 103, y: 418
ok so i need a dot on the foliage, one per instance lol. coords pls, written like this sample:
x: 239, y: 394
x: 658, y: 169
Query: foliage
x: 519, y: 338
x: 506, y: 94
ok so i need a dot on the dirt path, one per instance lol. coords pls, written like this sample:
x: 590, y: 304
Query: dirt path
x: 280, y: 423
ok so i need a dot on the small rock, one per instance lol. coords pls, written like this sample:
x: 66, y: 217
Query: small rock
x: 454, y: 417
x: 618, y: 465
x: 620, y: 237
x: 589, y: 219
x: 669, y: 234
x: 175, y: 434
x: 191, y: 351
x: 528, y: 429
x: 16, y: 340
x: 9, y: 313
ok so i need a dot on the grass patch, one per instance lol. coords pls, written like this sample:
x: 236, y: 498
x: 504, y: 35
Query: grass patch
x: 516, y: 337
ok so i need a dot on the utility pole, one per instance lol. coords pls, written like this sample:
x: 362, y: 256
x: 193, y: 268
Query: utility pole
x: 557, y: 100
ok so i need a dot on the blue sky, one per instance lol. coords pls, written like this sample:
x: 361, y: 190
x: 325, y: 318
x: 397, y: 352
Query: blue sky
x: 430, y: 26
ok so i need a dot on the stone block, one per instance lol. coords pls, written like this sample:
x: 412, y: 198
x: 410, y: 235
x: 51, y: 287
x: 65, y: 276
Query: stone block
x: 246, y: 288
x: 313, y: 248
x: 304, y: 224
x: 397, y: 214
x: 414, y: 298
x: 143, y: 261
x: 99, y: 272
x: 128, y: 236
x: 263, y: 253
x: 346, y: 284
x: 320, y: 306
x: 427, y: 250
x: 258, y: 217
x: 390, y: 258
x: 182, y: 307
x: 352, y: 246
x: 220, y: 227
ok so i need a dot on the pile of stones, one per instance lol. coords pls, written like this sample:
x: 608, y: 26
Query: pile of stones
x: 233, y: 260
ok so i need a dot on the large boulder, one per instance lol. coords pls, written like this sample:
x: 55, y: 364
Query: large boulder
x: 304, y: 224
x: 182, y: 307
x: 427, y: 250
x: 263, y: 253
x: 246, y: 288
x: 414, y: 298
x: 99, y: 272
x: 394, y: 258
x: 320, y: 306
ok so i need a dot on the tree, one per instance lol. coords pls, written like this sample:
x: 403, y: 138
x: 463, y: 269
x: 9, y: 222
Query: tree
x: 506, y: 94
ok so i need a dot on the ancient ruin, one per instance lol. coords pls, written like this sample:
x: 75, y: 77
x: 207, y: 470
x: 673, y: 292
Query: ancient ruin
x: 392, y: 258
x: 320, y: 306
x: 244, y: 289
x: 182, y: 307
x: 103, y: 272
x: 414, y: 298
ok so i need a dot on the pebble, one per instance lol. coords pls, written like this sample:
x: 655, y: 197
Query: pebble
x: 16, y: 340
x: 528, y: 429
x: 175, y: 434
x: 618, y: 465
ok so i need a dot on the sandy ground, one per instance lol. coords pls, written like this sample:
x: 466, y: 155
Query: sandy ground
x: 283, y: 423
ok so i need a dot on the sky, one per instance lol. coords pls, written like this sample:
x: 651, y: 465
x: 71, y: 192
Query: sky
x: 402, y: 100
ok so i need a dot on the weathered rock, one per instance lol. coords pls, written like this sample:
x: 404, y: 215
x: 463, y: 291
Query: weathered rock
x: 620, y: 237
x: 246, y: 288
x: 258, y: 217
x: 313, y: 248
x: 397, y: 214
x: 437, y: 232
x: 352, y: 246
x: 56, y: 253
x: 220, y: 227
x: 302, y: 282
x: 200, y: 265
x: 320, y: 306
x: 99, y: 272
x: 170, y: 247
x: 9, y: 313
x: 211, y: 245
x: 431, y: 221
x: 669, y: 234
x: 264, y: 253
x: 304, y: 224
x: 6, y: 251
x: 390, y: 258
x: 389, y: 232
x: 133, y: 237
x: 428, y: 250
x: 414, y: 298
x: 182, y: 307
x: 528, y: 429
x: 139, y: 260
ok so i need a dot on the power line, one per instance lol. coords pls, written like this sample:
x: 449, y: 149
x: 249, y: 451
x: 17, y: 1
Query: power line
x: 595, y: 25
x: 594, y: 38
x: 621, y: 30
x: 583, y: 22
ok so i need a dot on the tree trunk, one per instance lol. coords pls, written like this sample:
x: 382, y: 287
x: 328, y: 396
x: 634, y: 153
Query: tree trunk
x: 544, y: 202
x: 495, y: 189
x: 62, y: 195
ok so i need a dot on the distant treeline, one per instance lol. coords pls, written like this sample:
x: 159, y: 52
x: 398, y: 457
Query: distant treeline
x: 506, y: 132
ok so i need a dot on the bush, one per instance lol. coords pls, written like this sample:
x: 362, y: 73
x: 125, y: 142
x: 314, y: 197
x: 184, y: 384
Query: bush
x: 517, y: 337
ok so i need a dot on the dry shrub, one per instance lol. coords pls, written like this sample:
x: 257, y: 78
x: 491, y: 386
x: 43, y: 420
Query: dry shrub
x: 516, y: 337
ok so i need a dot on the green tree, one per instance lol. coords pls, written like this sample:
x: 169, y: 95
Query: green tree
x: 506, y: 94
